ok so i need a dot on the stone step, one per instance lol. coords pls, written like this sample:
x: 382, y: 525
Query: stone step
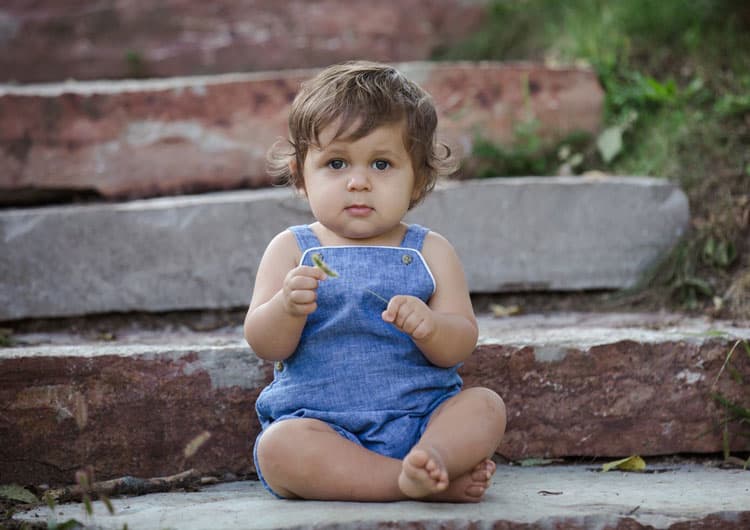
x: 674, y: 496
x: 588, y: 385
x: 193, y: 252
x: 141, y: 38
x: 145, y: 138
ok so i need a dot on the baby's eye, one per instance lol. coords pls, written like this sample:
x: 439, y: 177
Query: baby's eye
x: 381, y: 165
x: 336, y: 163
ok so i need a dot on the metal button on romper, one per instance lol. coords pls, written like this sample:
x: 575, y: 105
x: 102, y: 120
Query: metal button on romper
x: 406, y: 259
x: 279, y: 366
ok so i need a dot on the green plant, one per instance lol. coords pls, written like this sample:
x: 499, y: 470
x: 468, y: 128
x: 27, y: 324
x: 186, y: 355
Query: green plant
x: 677, y: 97
x: 6, y: 338
x: 528, y: 154
x: 135, y: 64
x: 509, y: 32
x: 686, y: 270
x: 734, y: 412
x: 86, y: 484
x: 678, y: 273
x: 523, y: 157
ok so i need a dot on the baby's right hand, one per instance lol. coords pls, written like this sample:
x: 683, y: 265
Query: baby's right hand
x: 299, y: 292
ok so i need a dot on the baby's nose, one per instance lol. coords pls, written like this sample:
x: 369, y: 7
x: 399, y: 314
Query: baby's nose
x: 358, y: 181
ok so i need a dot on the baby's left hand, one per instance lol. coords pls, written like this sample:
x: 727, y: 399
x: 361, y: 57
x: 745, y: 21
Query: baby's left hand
x: 411, y: 315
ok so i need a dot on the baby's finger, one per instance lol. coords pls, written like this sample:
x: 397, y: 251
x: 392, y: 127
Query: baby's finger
x: 411, y: 322
x: 405, y: 318
x: 312, y: 272
x: 422, y: 330
x: 303, y: 309
x: 303, y: 283
x: 394, y: 306
x: 300, y: 297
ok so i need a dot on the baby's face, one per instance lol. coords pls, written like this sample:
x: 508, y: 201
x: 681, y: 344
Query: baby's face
x: 360, y: 189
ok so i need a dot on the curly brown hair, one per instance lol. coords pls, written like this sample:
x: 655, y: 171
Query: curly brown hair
x: 369, y: 95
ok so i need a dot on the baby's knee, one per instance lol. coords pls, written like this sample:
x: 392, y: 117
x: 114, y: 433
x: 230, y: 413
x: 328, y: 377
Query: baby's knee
x: 268, y: 446
x: 488, y: 398
x: 490, y: 402
x: 275, y: 443
x: 283, y: 439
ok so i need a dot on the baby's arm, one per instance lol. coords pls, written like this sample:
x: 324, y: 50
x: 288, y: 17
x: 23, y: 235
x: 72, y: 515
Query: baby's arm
x: 445, y: 329
x: 283, y: 296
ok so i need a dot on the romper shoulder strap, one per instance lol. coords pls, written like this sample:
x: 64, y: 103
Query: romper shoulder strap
x: 306, y: 238
x: 414, y: 237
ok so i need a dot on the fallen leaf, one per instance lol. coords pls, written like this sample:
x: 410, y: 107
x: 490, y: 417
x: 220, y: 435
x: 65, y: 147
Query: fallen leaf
x: 81, y: 412
x: 501, y: 311
x: 595, y: 174
x: 631, y: 463
x: 609, y: 143
x: 192, y: 447
x: 13, y: 492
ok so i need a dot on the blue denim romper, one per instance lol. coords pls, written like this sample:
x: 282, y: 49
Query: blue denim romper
x: 362, y: 376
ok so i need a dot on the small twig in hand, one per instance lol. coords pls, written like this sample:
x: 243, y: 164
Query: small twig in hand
x: 317, y: 259
x: 376, y: 295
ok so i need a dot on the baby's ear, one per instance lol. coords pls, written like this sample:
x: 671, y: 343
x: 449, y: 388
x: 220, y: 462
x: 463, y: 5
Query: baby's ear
x: 299, y: 182
x: 417, y: 191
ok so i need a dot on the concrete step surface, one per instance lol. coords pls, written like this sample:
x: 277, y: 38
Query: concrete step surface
x: 202, y: 252
x: 597, y: 385
x: 580, y: 497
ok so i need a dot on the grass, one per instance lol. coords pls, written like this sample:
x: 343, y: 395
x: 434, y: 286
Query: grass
x: 676, y: 77
x: 6, y: 338
x: 735, y: 412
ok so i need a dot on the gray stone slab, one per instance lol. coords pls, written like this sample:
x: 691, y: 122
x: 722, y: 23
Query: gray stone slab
x: 565, y: 233
x: 151, y: 255
x: 202, y: 251
x: 574, y: 497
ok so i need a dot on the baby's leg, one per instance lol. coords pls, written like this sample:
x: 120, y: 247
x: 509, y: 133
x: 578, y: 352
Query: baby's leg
x: 306, y: 458
x: 452, y: 457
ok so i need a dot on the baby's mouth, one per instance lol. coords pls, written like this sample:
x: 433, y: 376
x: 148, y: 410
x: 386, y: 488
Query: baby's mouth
x: 359, y: 209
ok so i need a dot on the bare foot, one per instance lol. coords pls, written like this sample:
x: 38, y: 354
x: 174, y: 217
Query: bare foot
x: 469, y: 487
x: 422, y: 473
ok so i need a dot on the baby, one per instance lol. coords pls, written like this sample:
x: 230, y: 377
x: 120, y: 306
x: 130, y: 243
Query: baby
x: 366, y: 402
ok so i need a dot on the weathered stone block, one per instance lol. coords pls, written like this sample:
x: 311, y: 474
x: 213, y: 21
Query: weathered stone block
x: 126, y: 410
x: 202, y: 251
x: 131, y: 139
x: 48, y: 41
x: 575, y: 386
x: 612, y: 385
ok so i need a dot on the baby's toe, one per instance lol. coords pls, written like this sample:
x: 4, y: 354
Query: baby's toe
x: 476, y: 491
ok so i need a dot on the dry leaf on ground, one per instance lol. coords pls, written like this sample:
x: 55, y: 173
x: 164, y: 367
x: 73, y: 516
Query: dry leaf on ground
x: 631, y: 463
